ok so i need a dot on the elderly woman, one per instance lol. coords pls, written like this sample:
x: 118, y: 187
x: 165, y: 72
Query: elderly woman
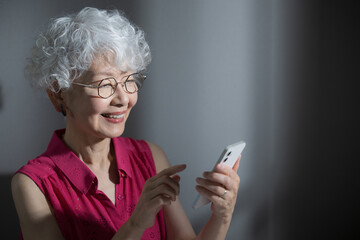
x: 91, y: 183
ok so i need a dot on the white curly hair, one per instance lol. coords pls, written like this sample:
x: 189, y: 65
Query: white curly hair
x: 67, y: 48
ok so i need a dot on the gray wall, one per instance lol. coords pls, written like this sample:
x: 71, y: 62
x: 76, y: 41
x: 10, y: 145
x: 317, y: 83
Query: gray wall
x: 274, y: 73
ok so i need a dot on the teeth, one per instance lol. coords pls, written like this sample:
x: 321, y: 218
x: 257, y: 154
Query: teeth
x: 113, y: 116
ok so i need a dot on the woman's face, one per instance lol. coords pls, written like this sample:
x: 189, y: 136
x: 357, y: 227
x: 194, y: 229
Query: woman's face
x: 88, y: 113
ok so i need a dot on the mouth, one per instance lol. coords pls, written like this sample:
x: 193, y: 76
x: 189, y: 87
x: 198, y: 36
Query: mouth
x: 113, y: 116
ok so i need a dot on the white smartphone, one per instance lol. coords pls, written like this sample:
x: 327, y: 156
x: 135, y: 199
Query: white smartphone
x: 228, y: 157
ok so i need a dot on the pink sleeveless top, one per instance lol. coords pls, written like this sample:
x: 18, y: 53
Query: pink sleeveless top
x: 81, y: 210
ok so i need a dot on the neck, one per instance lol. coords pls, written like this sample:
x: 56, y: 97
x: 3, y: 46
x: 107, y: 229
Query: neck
x: 93, y: 151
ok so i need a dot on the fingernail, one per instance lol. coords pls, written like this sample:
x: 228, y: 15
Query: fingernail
x: 221, y: 166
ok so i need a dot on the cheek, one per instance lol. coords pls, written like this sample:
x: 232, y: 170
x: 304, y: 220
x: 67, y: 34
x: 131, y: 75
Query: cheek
x: 83, y: 106
x: 133, y: 100
x: 94, y: 106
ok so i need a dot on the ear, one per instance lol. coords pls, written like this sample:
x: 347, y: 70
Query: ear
x: 55, y: 98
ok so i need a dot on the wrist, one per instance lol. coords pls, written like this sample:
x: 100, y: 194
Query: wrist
x: 135, y: 225
x: 222, y: 219
x: 129, y: 231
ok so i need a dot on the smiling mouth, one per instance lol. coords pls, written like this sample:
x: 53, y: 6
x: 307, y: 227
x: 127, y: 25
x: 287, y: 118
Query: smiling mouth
x: 118, y: 116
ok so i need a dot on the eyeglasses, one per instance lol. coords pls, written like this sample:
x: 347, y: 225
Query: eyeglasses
x: 107, y: 86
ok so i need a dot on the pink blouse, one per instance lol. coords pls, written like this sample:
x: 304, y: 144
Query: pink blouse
x: 81, y: 210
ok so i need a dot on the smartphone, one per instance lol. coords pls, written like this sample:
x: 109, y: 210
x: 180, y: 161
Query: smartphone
x: 228, y: 157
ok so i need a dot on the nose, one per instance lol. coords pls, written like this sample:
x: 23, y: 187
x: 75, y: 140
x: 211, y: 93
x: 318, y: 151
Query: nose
x: 120, y: 96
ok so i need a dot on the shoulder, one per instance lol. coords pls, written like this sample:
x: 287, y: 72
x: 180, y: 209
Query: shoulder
x: 37, y: 169
x: 27, y: 182
x: 34, y: 212
x: 23, y: 187
x: 38, y: 165
x: 160, y: 159
x: 21, y: 182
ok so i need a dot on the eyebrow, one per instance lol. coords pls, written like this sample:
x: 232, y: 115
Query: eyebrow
x: 106, y: 73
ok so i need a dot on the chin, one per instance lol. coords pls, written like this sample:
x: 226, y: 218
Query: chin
x: 115, y: 132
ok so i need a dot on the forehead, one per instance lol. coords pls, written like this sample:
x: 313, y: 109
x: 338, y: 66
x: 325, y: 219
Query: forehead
x: 106, y: 66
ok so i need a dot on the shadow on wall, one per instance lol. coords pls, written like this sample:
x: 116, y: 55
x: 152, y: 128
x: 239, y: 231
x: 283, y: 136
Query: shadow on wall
x: 1, y: 96
x: 8, y: 221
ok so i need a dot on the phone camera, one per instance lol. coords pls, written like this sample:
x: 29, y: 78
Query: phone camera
x: 225, y: 159
x: 228, y: 153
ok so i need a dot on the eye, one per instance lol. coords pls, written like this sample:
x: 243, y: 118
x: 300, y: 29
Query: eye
x: 133, y: 82
x: 130, y: 81
x: 106, y: 83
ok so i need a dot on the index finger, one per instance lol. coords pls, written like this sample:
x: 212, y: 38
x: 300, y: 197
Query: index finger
x: 171, y: 170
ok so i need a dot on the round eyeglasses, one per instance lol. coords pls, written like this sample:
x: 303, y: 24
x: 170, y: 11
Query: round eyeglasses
x: 107, y: 86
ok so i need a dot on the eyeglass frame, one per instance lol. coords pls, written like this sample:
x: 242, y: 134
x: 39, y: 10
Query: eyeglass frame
x: 123, y: 84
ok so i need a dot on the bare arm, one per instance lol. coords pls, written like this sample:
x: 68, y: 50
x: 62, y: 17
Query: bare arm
x: 178, y: 225
x: 34, y: 212
x: 211, y: 186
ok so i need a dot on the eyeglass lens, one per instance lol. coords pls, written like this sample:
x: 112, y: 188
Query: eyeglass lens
x: 108, y: 86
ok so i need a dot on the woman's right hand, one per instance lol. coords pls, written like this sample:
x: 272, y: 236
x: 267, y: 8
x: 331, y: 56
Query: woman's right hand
x: 158, y: 191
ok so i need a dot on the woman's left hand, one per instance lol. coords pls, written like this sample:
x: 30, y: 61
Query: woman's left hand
x: 221, y: 188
